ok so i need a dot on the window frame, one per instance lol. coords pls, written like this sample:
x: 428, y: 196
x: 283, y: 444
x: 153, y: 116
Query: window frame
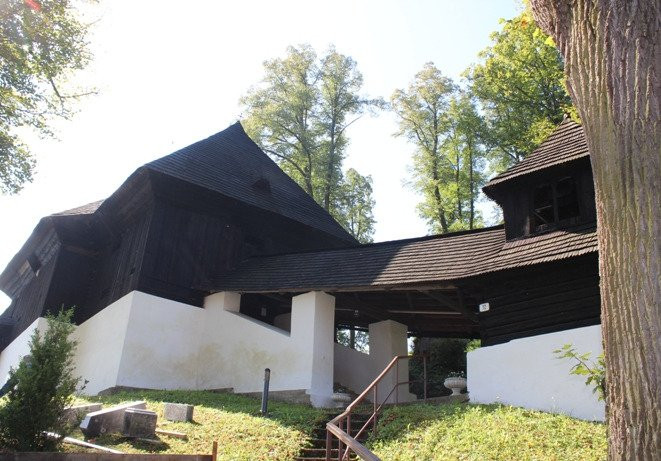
x: 557, y: 223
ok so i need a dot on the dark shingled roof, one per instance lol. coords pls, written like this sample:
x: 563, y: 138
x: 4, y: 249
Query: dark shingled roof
x: 565, y: 144
x: 230, y: 163
x: 81, y: 210
x: 435, y: 259
x: 560, y: 244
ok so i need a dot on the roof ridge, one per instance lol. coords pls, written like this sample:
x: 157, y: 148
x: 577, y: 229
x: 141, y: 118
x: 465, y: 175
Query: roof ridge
x: 384, y: 243
x: 87, y: 208
x: 226, y: 162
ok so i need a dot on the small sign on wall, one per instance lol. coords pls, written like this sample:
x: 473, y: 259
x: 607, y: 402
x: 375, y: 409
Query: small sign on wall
x: 484, y: 307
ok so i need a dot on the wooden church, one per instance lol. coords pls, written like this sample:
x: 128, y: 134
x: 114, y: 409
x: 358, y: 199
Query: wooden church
x: 213, y: 251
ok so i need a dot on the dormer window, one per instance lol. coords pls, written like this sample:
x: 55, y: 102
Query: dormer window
x: 554, y: 204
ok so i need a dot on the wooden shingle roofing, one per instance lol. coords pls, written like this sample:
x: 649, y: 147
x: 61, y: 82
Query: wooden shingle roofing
x: 565, y: 144
x: 230, y: 163
x: 88, y: 208
x: 427, y: 260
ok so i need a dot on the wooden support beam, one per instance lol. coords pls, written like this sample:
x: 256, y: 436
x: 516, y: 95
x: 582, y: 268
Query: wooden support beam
x: 376, y: 313
x: 452, y: 304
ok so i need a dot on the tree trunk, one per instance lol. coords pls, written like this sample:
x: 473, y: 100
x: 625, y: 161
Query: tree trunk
x: 437, y: 197
x: 329, y: 166
x: 612, y: 52
x: 471, y: 183
x: 460, y: 213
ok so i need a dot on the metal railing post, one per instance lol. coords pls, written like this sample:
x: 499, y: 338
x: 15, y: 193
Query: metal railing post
x: 376, y: 403
x: 265, y: 392
x: 424, y: 374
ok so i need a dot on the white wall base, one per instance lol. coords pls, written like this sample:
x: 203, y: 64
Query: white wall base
x: 145, y: 341
x: 524, y: 372
x: 11, y: 356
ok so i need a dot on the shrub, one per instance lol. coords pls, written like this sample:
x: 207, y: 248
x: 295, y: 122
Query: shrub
x: 41, y: 387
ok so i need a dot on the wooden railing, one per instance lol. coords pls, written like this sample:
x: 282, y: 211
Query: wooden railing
x: 335, y: 428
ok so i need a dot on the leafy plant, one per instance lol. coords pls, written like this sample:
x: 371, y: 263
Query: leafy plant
x: 473, y: 344
x: 43, y: 43
x: 456, y: 374
x: 595, y: 370
x: 40, y: 389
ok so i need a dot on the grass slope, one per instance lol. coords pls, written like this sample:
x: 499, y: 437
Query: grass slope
x: 485, y: 432
x: 232, y: 420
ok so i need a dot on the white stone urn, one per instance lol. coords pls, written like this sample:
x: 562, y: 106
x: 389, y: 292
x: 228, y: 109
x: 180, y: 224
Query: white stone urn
x: 341, y: 399
x: 455, y: 384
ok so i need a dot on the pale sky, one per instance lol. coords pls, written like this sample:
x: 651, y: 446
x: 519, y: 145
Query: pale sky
x: 171, y: 73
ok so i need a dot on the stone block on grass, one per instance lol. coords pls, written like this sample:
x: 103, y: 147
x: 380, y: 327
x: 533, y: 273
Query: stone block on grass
x: 178, y: 412
x: 108, y: 420
x: 76, y: 413
x: 139, y: 423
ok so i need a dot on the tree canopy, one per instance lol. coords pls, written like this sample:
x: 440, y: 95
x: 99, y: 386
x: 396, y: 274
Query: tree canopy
x: 354, y: 205
x: 519, y: 84
x: 443, y: 124
x: 300, y: 115
x: 42, y: 43
x: 510, y: 101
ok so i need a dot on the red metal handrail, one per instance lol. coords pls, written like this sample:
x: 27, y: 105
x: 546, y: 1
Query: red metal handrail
x: 335, y: 426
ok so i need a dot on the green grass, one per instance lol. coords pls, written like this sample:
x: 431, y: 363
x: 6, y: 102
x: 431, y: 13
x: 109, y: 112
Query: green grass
x: 413, y: 432
x: 231, y: 420
x: 485, y: 432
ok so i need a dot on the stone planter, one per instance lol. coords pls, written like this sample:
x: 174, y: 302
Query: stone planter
x: 341, y: 399
x: 455, y: 384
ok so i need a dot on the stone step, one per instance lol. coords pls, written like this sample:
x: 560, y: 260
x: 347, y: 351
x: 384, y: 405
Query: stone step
x: 321, y: 433
x: 315, y: 448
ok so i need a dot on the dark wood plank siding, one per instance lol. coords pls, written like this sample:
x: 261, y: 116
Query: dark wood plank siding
x: 29, y: 304
x: 118, y: 265
x: 183, y: 248
x: 541, y: 299
x: 71, y: 284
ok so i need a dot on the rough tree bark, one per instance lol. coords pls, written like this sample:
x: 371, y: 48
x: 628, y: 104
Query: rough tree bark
x: 612, y: 51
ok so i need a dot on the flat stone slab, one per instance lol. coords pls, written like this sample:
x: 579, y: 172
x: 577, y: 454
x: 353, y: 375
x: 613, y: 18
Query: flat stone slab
x: 139, y: 423
x: 77, y: 412
x: 107, y: 420
x: 178, y: 412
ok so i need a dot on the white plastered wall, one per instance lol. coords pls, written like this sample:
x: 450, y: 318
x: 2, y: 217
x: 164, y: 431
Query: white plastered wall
x: 101, y: 344
x: 145, y: 341
x: 356, y: 370
x: 526, y: 373
x: 18, y: 348
x: 353, y: 369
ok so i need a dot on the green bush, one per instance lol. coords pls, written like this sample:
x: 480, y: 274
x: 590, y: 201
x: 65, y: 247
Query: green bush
x: 40, y: 388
